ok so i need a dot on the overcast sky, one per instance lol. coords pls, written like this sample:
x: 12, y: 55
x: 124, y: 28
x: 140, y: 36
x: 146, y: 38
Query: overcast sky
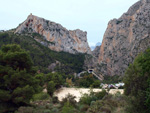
x: 88, y: 15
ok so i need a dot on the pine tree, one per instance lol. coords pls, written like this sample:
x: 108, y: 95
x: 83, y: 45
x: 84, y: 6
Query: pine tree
x: 17, y: 78
x: 137, y: 82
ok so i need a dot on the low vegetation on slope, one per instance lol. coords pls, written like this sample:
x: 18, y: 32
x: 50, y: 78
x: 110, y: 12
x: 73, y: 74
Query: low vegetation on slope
x: 43, y: 56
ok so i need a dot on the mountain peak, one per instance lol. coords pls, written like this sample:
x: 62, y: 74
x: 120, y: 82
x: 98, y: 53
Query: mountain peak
x: 61, y: 39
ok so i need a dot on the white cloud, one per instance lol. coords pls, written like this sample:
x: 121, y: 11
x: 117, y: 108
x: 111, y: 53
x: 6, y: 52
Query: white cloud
x: 92, y: 44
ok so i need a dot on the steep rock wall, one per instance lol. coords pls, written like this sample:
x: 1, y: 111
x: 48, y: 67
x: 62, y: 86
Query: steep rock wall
x: 125, y: 38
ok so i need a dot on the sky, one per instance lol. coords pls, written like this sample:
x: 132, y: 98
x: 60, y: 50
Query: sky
x: 88, y: 15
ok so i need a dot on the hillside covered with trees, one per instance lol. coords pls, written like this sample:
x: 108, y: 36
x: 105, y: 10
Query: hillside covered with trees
x: 42, y: 56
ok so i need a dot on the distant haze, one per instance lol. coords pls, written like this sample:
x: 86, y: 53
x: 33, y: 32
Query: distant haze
x: 94, y: 46
x: 88, y: 15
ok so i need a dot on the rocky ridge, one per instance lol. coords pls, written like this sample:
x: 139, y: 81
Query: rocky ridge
x: 125, y: 38
x: 58, y: 37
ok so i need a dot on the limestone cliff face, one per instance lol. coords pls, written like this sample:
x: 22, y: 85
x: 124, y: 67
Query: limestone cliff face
x: 59, y: 37
x: 125, y: 38
x: 96, y: 52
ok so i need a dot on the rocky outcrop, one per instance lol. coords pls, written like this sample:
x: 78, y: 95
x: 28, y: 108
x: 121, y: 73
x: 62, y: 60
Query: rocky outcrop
x: 125, y: 38
x: 59, y: 37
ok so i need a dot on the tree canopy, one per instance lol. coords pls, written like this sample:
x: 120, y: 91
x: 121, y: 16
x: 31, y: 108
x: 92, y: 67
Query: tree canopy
x: 17, y: 78
x: 137, y: 82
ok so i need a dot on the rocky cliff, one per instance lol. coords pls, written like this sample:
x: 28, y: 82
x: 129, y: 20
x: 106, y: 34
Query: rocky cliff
x: 125, y: 38
x: 59, y: 38
x: 96, y: 51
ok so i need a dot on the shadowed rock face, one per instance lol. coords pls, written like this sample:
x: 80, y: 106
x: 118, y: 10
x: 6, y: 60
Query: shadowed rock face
x: 96, y: 51
x: 125, y: 38
x: 61, y: 39
x: 91, y: 61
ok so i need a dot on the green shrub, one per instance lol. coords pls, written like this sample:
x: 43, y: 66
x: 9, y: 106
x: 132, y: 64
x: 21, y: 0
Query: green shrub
x: 47, y: 111
x: 96, y: 84
x: 41, y: 96
x: 69, y: 98
x: 51, y: 88
x: 93, y: 96
x: 67, y: 108
x: 25, y: 110
x: 85, y: 99
x: 95, y: 107
x: 106, y: 109
x: 55, y: 110
x: 100, y: 94
x: 86, y: 81
x: 110, y: 104
x: 55, y: 79
x: 83, y: 107
x: 55, y: 99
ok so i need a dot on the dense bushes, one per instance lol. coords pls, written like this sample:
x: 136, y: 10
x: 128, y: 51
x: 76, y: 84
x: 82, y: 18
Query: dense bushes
x: 69, y: 99
x: 110, y: 104
x: 137, y: 82
x: 92, y: 103
x: 88, y: 98
x: 87, y: 80
x: 40, y: 96
x: 96, y: 84
x: 67, y: 108
x: 51, y: 88
x: 53, y: 81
